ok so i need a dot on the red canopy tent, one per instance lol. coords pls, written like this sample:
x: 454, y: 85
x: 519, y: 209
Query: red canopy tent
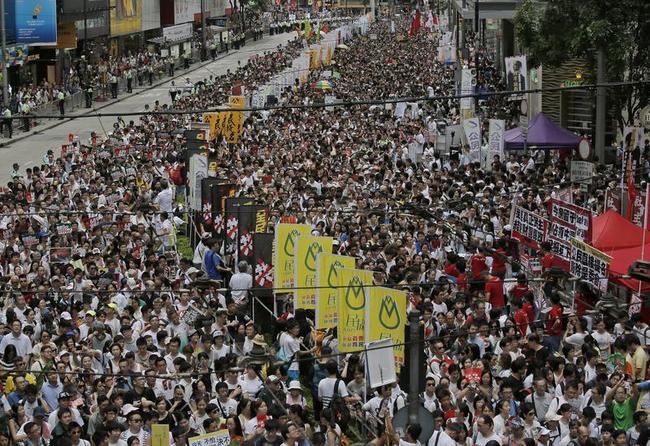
x: 621, y: 240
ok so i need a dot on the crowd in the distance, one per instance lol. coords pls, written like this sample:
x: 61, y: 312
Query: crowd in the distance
x: 110, y: 330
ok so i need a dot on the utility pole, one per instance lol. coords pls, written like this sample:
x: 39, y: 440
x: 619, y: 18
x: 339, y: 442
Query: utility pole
x: 477, y: 25
x: 85, y: 26
x: 204, y: 54
x: 415, y: 359
x: 5, y: 80
x: 601, y: 105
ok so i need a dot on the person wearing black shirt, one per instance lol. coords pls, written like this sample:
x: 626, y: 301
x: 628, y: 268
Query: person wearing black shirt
x: 140, y: 396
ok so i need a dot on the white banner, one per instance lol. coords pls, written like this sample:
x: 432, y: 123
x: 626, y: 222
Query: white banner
x: 582, y: 172
x: 178, y: 32
x: 589, y: 264
x: 198, y: 171
x: 184, y: 10
x: 496, y: 138
x: 472, y: 129
x: 466, y: 87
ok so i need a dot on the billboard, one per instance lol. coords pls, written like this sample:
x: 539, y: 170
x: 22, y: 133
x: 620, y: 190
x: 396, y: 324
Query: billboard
x: 36, y: 22
x: 126, y: 16
x: 184, y: 10
x: 516, y: 74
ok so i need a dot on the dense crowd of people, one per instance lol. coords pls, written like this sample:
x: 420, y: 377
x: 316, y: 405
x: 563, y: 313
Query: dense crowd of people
x: 109, y: 330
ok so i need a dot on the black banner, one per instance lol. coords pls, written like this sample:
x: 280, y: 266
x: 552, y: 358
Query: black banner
x: 233, y: 206
x: 196, y: 135
x: 263, y: 262
x: 195, y: 144
x: 218, y: 195
x: 206, y: 201
x: 252, y: 220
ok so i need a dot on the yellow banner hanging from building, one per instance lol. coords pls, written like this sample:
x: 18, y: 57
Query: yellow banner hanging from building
x: 386, y: 317
x: 328, y: 56
x: 307, y: 249
x: 327, y: 266
x: 286, y: 236
x: 313, y: 59
x: 352, y: 308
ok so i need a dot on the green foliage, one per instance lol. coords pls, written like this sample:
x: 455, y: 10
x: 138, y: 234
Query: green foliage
x: 555, y: 31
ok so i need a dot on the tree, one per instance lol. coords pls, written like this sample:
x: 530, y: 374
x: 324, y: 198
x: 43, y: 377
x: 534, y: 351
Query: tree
x: 555, y: 31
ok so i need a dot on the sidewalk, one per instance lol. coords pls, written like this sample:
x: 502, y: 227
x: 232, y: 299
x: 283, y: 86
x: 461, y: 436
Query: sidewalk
x: 178, y: 73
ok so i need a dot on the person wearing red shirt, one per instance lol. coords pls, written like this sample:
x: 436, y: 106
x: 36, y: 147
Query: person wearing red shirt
x: 499, y: 258
x: 547, y: 257
x: 450, y: 268
x: 494, y: 290
x: 521, y: 288
x: 521, y: 317
x: 555, y: 325
x: 478, y: 264
x: 528, y: 306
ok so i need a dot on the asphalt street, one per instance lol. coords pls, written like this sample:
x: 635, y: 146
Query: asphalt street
x: 29, y: 151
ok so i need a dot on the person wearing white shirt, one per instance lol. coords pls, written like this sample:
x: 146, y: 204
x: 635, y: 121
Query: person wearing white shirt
x: 16, y: 338
x: 165, y: 198
x: 240, y: 283
x: 445, y: 437
x: 485, y: 433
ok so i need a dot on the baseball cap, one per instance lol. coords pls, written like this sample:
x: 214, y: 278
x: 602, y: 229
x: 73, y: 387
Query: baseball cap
x: 64, y: 395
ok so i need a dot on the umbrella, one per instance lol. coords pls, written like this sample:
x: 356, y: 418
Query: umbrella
x: 322, y: 85
x: 343, y: 46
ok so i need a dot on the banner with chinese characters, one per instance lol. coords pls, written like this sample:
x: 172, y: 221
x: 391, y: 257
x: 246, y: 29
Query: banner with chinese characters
x: 386, y: 318
x: 589, y: 264
x: 233, y: 213
x: 306, y: 251
x: 327, y: 266
x: 528, y: 227
x: 252, y: 219
x: 283, y: 252
x: 352, y: 308
x: 568, y: 221
x: 232, y: 122
x: 263, y: 263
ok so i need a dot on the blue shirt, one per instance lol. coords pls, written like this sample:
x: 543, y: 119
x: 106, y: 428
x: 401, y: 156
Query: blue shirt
x: 51, y: 394
x: 211, y: 262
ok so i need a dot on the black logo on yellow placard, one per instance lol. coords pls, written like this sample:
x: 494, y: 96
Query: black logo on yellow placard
x: 310, y: 258
x: 388, y: 313
x: 354, y: 297
x: 290, y: 242
x: 332, y: 275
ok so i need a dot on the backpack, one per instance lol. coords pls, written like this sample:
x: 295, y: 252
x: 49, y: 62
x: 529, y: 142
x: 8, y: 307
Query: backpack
x: 339, y: 408
x: 280, y: 354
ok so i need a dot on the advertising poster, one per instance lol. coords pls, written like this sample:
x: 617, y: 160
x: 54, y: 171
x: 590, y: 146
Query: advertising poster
x: 126, y: 17
x: 36, y: 22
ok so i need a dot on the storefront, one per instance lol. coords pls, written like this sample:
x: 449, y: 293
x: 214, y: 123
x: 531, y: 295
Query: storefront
x: 126, y: 27
x: 175, y: 40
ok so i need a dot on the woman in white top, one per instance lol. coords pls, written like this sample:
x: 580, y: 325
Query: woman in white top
x: 603, y: 338
x: 250, y: 383
x: 503, y: 413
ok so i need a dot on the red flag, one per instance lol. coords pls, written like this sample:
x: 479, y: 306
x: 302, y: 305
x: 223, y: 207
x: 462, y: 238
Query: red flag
x: 415, y: 24
x: 631, y: 195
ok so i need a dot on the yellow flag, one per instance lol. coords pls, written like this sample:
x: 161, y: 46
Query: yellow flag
x: 307, y: 249
x: 386, y: 317
x: 213, y: 119
x: 352, y: 308
x: 327, y: 266
x: 313, y: 59
x: 285, y: 238
x: 328, y: 56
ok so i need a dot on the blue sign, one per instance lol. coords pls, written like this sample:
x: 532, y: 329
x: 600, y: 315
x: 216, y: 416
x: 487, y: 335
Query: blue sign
x: 10, y: 21
x: 36, y: 22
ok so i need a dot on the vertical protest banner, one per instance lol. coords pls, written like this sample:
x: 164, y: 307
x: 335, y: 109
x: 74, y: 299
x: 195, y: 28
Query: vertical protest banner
x: 352, y: 308
x: 252, y: 219
x: 567, y: 221
x: 516, y: 76
x: 496, y: 137
x: 386, y: 317
x: 306, y: 250
x: 528, y: 227
x: 589, y: 264
x: 467, y: 83
x: 327, y: 266
x: 219, y: 192
x: 283, y: 251
x: 232, y: 122
x: 206, y: 201
x: 198, y: 171
x: 232, y: 215
x: 613, y: 200
x: 472, y: 130
x: 263, y: 263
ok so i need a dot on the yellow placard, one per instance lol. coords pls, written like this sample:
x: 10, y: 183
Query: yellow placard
x: 218, y: 438
x: 232, y: 122
x: 352, y: 308
x: 283, y: 249
x: 386, y: 317
x: 214, y: 120
x: 160, y: 435
x: 126, y: 17
x: 307, y: 249
x: 327, y: 266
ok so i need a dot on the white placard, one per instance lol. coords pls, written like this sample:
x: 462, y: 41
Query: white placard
x: 198, y: 171
x: 582, y: 172
x: 380, y: 363
x: 472, y: 129
x: 496, y: 138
